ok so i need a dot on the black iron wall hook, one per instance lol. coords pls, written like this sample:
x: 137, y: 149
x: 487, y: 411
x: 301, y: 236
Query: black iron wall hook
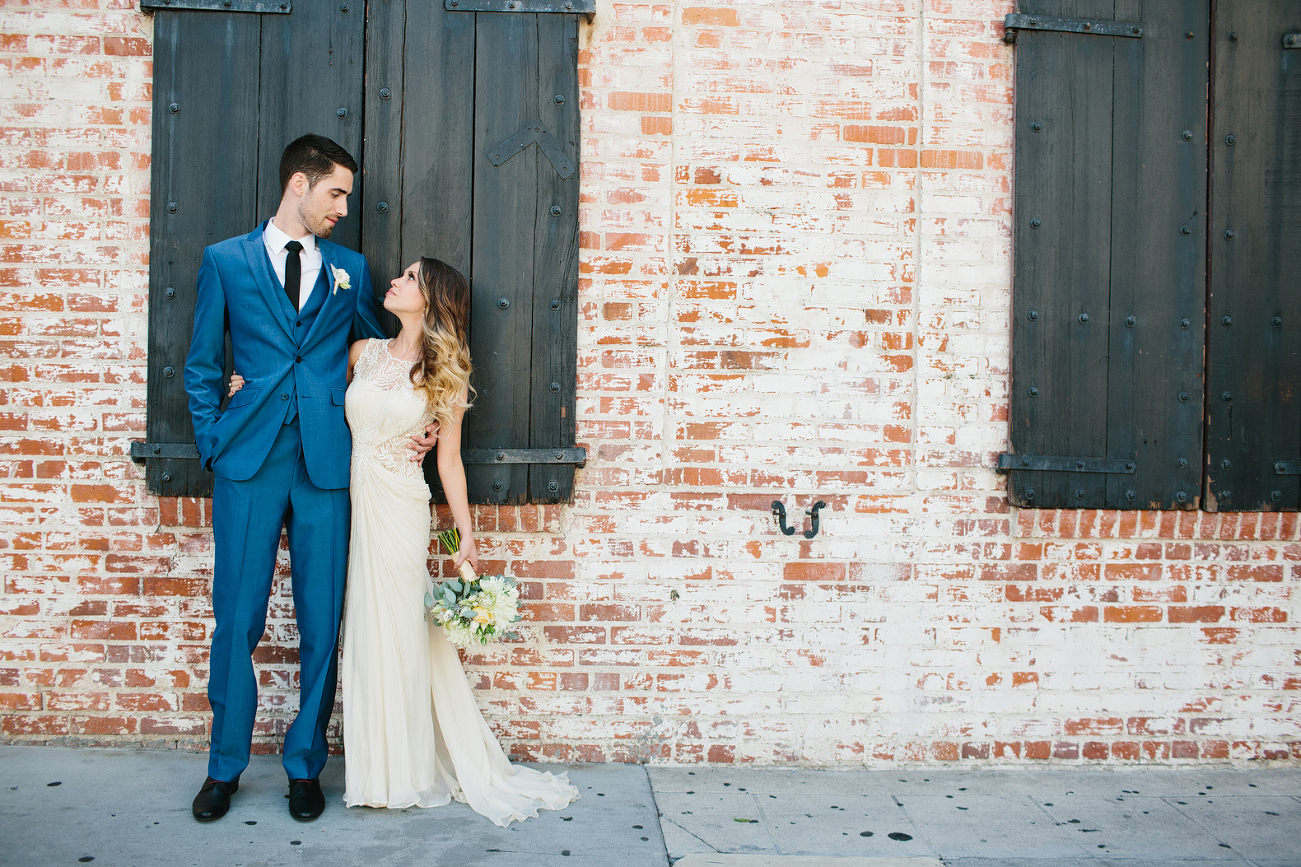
x: 779, y: 512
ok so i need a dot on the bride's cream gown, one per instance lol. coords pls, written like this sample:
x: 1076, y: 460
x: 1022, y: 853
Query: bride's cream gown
x: 412, y: 732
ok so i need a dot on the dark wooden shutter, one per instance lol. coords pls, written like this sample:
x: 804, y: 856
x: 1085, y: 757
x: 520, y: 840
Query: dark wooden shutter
x: 472, y: 158
x: 230, y: 90
x: 439, y: 93
x: 1253, y: 405
x: 1109, y: 275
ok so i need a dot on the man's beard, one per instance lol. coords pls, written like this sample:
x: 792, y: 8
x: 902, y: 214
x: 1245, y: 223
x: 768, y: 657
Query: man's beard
x: 320, y: 228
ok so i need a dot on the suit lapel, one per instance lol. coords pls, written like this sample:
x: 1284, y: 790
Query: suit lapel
x: 273, y: 293
x: 324, y: 283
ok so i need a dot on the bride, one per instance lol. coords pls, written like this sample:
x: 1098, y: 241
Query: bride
x: 412, y: 733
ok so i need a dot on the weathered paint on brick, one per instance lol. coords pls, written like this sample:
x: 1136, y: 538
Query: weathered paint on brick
x: 795, y: 285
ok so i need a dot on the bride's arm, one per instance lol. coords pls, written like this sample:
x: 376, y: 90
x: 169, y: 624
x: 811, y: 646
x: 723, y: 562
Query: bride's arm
x: 452, y: 474
x: 354, y: 352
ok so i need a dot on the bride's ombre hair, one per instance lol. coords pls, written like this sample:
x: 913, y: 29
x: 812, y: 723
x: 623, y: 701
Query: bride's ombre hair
x: 443, y: 370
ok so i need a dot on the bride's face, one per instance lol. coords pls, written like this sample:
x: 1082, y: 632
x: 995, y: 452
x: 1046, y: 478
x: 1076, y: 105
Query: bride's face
x: 404, y: 294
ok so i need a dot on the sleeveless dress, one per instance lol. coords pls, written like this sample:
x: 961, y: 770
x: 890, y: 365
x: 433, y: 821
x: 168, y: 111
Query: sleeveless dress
x: 412, y: 733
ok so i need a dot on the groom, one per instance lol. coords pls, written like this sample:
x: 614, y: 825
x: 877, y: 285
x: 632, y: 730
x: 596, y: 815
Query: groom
x: 280, y: 450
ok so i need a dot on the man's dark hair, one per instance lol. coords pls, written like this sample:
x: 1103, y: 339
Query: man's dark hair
x: 315, y: 156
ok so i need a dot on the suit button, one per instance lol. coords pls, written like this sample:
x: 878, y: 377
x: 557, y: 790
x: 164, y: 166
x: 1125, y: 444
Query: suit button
x: 284, y: 396
x: 298, y: 360
x: 298, y: 325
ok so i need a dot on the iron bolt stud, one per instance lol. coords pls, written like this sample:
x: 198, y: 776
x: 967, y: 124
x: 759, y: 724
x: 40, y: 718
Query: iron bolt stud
x: 1233, y: 37
x: 1226, y: 495
x: 169, y: 372
x: 1188, y: 135
x: 167, y: 477
x: 343, y: 112
x: 1036, y: 126
x: 1034, y: 392
x: 1226, y: 321
x: 1185, y: 323
x: 1184, y: 230
x: 1131, y: 496
x: 1084, y: 318
x: 1228, y: 234
x: 555, y: 303
x: 1129, y: 321
x: 1226, y: 463
x: 1079, y: 493
x: 1278, y: 322
x: 385, y: 93
x: 174, y: 108
x: 1276, y: 496
x: 382, y: 207
x: 1230, y: 140
x: 1034, y: 223
x: 1183, y: 397
x: 553, y: 486
x: 555, y: 387
x: 1029, y: 493
x: 559, y: 99
x: 343, y: 7
x: 1228, y: 396
x: 556, y: 211
x: 1032, y: 315
x: 172, y: 207
x: 1182, y: 463
x: 496, y: 486
x: 1181, y: 497
x: 170, y: 293
x: 1188, y: 35
x: 503, y: 303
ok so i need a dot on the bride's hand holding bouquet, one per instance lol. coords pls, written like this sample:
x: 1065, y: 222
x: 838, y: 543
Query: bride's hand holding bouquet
x: 475, y: 608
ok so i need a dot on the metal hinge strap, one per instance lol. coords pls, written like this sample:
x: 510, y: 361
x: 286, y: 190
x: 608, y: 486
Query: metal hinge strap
x: 1008, y: 461
x: 262, y: 7
x: 1287, y: 468
x: 576, y: 456
x: 1022, y: 21
x: 579, y: 7
x: 1292, y: 40
x: 141, y: 451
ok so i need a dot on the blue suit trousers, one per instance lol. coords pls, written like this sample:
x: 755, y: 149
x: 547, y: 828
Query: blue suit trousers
x: 247, y: 517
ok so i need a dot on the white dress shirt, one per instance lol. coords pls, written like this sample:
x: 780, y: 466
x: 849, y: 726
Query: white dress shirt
x: 309, y: 257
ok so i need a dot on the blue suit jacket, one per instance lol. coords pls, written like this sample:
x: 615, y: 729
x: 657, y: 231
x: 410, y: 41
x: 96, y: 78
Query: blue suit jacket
x: 237, y: 289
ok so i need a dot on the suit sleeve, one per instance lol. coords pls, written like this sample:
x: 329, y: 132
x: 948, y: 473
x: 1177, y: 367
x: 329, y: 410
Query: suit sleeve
x: 367, y: 322
x: 206, y: 363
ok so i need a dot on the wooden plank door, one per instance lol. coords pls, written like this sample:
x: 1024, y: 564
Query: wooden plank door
x: 1253, y: 403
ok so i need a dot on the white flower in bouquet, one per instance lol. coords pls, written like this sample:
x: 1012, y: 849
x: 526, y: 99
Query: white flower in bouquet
x: 472, y: 609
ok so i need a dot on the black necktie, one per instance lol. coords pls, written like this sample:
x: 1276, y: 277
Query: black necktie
x: 293, y: 272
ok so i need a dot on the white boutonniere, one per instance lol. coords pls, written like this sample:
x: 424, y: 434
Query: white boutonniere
x: 341, y: 279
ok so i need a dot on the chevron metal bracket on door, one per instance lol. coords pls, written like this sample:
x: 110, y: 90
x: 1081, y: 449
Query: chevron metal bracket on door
x: 534, y: 133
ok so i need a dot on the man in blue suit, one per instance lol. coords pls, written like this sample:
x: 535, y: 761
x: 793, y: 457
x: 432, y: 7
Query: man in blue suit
x: 280, y: 450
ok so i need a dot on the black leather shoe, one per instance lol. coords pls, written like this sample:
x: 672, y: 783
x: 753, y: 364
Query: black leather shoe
x: 305, y: 799
x: 213, y: 799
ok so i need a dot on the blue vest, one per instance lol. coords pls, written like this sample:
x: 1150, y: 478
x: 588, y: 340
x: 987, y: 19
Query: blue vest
x: 302, y: 327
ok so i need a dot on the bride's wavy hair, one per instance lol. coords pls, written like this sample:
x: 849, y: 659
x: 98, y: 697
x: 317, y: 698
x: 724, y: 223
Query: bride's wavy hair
x: 442, y: 372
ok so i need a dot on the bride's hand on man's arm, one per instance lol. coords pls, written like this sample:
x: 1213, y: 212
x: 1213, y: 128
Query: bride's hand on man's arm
x: 236, y: 383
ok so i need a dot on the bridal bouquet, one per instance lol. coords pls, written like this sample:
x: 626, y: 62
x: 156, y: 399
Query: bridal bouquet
x: 475, y: 608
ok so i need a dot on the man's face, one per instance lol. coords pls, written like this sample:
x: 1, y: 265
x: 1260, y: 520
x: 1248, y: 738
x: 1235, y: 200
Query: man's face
x: 326, y: 203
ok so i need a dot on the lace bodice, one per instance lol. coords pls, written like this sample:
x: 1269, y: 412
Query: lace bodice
x: 384, y: 410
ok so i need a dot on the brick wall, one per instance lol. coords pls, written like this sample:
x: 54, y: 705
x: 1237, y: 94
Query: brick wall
x: 795, y: 286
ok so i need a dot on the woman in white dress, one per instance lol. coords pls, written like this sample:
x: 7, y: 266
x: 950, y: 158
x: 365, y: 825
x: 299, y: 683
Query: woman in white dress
x: 412, y: 733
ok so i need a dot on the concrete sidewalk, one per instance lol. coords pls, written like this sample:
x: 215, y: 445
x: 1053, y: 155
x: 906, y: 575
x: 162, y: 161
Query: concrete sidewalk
x: 131, y: 809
